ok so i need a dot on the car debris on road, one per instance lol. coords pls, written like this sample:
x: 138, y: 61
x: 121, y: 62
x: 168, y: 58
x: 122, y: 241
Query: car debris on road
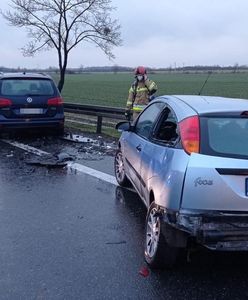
x: 51, y: 160
x: 77, y: 138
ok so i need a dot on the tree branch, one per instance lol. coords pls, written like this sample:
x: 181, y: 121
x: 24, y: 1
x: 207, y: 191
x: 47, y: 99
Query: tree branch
x: 64, y: 24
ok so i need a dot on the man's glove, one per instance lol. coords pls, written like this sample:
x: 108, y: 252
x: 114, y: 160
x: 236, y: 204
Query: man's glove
x: 128, y: 114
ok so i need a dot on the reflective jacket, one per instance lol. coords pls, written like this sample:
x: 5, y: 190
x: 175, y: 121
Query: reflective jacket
x: 139, y: 93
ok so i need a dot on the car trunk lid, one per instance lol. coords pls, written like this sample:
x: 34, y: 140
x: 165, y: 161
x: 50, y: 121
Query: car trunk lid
x: 216, y: 183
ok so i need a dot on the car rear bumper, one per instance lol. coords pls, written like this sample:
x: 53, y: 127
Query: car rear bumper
x: 223, y: 231
x: 31, y: 124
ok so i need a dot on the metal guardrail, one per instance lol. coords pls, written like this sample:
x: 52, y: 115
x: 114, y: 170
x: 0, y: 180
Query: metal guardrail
x: 99, y: 112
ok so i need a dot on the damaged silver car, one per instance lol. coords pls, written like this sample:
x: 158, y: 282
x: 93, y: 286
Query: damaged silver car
x: 187, y: 157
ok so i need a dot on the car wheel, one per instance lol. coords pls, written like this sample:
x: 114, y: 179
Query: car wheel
x: 120, y: 173
x: 158, y: 254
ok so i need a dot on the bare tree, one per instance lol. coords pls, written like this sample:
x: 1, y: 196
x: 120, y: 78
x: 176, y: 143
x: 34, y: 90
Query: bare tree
x: 63, y: 24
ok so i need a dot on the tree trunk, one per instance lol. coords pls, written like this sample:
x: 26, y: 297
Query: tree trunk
x: 61, y: 79
x: 62, y: 68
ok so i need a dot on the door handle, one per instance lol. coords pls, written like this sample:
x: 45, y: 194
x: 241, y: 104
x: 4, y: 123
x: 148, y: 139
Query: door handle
x: 138, y: 148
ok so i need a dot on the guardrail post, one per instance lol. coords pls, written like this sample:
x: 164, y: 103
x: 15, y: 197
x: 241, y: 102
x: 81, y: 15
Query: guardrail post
x: 114, y: 113
x: 99, y: 124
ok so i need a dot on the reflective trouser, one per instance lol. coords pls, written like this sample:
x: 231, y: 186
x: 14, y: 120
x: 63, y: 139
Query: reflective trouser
x: 137, y: 109
x: 135, y: 114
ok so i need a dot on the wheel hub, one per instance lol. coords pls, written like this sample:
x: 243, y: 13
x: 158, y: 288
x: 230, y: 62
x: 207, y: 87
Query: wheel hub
x: 152, y: 234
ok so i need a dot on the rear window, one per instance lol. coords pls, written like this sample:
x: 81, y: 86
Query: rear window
x: 26, y: 87
x: 225, y: 136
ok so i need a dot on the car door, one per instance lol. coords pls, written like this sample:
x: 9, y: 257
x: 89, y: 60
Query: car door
x: 136, y: 141
x: 157, y: 156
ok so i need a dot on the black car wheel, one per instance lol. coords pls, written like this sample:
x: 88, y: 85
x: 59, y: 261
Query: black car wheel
x: 158, y: 254
x: 120, y: 170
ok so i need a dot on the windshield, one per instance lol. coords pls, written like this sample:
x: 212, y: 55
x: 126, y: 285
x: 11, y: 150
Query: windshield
x: 24, y: 87
x: 225, y: 136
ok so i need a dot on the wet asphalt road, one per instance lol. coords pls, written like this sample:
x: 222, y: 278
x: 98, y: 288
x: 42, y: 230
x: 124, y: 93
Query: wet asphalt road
x: 67, y: 235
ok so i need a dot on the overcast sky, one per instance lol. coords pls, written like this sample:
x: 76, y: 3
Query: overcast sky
x: 155, y: 33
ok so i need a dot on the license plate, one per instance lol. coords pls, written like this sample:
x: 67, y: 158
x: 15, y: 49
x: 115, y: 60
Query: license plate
x: 31, y: 111
x: 246, y: 186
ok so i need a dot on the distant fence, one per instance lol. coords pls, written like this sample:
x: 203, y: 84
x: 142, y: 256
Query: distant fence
x: 99, y: 112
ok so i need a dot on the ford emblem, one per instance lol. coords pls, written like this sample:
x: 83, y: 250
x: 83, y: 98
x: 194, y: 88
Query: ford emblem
x: 29, y: 99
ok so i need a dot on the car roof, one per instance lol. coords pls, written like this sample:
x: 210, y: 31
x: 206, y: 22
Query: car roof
x: 24, y: 75
x: 207, y: 104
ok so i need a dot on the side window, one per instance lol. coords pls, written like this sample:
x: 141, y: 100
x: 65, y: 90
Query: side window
x: 167, y: 130
x: 147, y: 118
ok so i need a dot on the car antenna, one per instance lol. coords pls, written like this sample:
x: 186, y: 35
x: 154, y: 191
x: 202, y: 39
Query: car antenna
x: 209, y: 74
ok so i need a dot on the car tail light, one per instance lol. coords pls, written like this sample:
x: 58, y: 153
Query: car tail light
x: 5, y: 102
x: 190, y: 134
x: 55, y: 101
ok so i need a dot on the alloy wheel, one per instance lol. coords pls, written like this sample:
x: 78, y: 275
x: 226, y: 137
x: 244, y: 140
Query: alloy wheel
x: 119, y: 167
x: 152, y: 233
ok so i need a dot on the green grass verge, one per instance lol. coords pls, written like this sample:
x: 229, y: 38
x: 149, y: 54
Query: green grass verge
x: 112, y: 89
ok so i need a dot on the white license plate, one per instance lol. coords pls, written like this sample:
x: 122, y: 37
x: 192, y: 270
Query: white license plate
x: 31, y: 111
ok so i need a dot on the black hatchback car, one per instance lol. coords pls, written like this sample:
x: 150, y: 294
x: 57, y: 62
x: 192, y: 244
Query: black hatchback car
x: 30, y: 101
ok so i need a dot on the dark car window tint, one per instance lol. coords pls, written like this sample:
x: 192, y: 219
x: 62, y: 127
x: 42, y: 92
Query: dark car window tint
x: 21, y: 87
x: 147, y: 119
x: 167, y: 127
x: 226, y: 137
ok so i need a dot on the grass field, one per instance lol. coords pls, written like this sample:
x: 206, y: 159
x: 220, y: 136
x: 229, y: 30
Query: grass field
x: 112, y: 89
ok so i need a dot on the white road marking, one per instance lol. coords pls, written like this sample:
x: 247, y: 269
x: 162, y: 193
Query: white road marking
x: 25, y: 147
x: 75, y: 166
x: 92, y: 172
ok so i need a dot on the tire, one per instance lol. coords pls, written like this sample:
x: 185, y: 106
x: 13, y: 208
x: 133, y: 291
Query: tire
x: 120, y: 173
x: 158, y: 254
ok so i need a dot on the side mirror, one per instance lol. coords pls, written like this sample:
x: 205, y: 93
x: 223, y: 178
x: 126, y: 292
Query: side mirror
x: 124, y: 126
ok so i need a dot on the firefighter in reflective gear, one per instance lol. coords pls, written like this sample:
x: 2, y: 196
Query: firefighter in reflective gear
x: 139, y: 93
